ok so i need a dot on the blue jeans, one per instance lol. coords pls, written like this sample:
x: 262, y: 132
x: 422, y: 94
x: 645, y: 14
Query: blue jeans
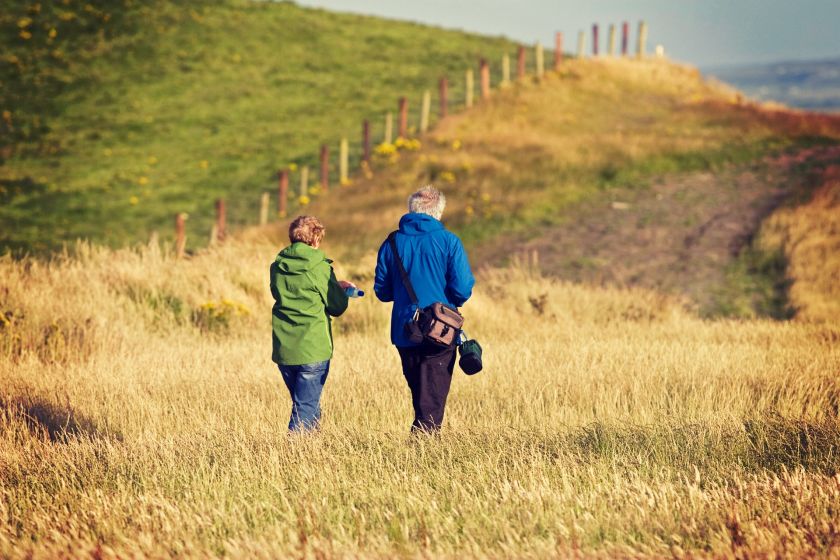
x: 305, y: 383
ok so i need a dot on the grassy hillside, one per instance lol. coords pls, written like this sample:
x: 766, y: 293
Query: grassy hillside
x: 120, y: 114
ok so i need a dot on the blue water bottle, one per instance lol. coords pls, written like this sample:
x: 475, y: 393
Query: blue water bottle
x: 352, y: 291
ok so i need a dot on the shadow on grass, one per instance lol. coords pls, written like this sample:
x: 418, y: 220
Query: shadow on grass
x: 59, y: 423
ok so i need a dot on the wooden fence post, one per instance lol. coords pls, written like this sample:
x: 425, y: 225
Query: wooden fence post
x: 594, y: 39
x: 581, y: 46
x: 325, y: 168
x: 443, y: 92
x: 558, y: 50
x: 538, y: 48
x: 264, y: 202
x: 424, y: 111
x: 642, y: 39
x: 520, y: 63
x: 304, y: 181
x: 389, y: 128
x: 282, y: 192
x: 484, y: 70
x: 505, y: 70
x: 403, y: 129
x: 366, y: 142
x: 343, y: 161
x: 611, y: 41
x: 470, y: 87
x: 221, y: 219
x: 625, y: 37
x: 180, y: 234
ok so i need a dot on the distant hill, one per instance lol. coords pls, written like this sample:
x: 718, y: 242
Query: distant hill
x: 811, y: 85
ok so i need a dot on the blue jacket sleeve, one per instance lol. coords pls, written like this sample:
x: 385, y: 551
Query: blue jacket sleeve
x: 383, y: 286
x: 459, y: 277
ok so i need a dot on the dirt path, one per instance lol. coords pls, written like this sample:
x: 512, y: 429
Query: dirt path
x: 677, y: 236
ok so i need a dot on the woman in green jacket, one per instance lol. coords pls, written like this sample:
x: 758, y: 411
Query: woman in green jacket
x: 306, y: 296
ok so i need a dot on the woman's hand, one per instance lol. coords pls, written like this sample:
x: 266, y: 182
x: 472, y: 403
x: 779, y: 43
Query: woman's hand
x: 345, y: 284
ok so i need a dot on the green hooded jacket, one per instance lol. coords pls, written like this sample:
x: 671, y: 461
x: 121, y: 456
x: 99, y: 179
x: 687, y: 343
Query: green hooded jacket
x: 306, y: 294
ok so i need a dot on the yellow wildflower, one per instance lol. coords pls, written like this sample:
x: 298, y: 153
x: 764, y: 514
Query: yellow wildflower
x: 53, y: 33
x: 346, y: 182
x: 386, y: 148
x: 447, y: 177
x: 485, y: 197
x: 25, y: 22
x: 303, y: 200
x: 204, y: 164
x: 469, y: 210
x: 143, y: 181
x: 25, y: 35
x: 133, y: 200
x: 292, y: 167
x: 456, y: 145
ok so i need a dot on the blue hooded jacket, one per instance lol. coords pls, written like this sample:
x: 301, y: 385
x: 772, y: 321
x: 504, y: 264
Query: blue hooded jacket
x: 436, y: 263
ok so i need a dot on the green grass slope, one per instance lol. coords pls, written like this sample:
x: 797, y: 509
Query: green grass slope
x: 117, y: 115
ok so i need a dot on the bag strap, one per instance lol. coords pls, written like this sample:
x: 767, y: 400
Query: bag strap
x: 392, y: 239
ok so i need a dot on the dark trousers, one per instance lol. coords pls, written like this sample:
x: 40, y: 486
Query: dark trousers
x: 428, y: 371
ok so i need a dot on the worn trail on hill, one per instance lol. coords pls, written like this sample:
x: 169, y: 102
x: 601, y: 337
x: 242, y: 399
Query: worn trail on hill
x: 679, y: 235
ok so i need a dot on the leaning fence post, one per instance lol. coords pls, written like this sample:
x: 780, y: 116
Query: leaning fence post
x: 180, y: 234
x: 538, y: 48
x: 470, y: 86
x: 304, y: 181
x: 403, y: 129
x: 485, y: 79
x: 424, y: 111
x: 221, y: 219
x: 443, y: 88
x: 581, y: 46
x: 625, y: 37
x: 325, y: 168
x: 505, y: 70
x: 558, y: 50
x: 642, y: 39
x: 282, y: 192
x: 366, y: 142
x: 343, y: 157
x: 520, y: 63
x: 594, y: 39
x: 264, y: 202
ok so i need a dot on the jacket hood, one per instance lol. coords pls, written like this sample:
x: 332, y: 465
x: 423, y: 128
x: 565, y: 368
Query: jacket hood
x: 414, y: 223
x: 299, y: 258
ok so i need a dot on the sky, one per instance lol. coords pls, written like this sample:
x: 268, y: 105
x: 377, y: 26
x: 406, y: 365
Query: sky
x: 706, y: 33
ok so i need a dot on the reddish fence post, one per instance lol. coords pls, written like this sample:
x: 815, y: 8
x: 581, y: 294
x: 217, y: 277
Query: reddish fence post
x: 325, y: 168
x: 558, y: 50
x: 594, y: 39
x: 221, y: 220
x: 282, y: 192
x: 180, y: 234
x: 485, y: 79
x: 625, y: 37
x: 443, y: 87
x: 403, y: 131
x: 366, y: 142
x: 520, y: 63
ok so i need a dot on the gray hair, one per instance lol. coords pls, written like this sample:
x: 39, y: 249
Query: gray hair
x: 427, y: 200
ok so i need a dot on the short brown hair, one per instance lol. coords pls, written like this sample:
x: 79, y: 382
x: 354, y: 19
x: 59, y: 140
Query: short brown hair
x: 307, y: 229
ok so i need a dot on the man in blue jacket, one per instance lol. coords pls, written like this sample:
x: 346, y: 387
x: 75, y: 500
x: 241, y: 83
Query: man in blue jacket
x: 440, y: 272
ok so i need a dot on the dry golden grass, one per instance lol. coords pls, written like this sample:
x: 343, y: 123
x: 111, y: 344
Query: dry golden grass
x: 809, y: 235
x: 606, y: 422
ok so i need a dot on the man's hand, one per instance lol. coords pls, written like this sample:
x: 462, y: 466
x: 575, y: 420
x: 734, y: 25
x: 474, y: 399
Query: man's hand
x: 345, y: 284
